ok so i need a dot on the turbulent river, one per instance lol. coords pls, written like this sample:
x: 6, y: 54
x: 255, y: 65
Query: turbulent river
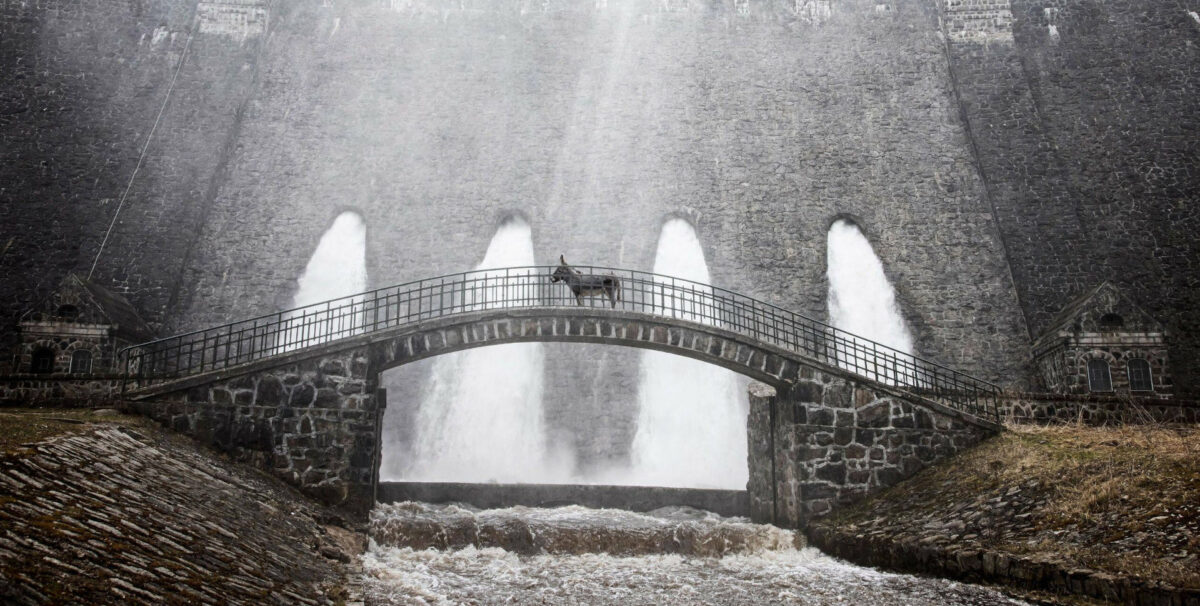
x: 448, y: 554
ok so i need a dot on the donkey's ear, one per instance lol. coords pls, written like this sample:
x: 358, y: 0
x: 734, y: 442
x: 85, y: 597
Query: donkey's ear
x: 562, y: 260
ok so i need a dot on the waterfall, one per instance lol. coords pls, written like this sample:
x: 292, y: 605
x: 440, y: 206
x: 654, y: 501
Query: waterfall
x: 691, y: 428
x: 338, y: 268
x: 480, y: 418
x: 862, y: 301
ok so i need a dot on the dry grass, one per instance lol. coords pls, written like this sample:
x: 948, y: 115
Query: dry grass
x: 20, y: 426
x: 1124, y: 500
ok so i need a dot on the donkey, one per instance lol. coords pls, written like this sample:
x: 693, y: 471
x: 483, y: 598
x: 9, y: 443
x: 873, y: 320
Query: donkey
x: 587, y: 286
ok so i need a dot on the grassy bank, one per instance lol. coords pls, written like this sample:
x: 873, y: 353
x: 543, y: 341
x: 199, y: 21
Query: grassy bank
x: 1119, y: 501
x: 21, y: 426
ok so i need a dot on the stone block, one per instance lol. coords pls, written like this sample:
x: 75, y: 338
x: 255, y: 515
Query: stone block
x: 832, y: 472
x: 268, y: 391
x: 302, y: 396
x: 839, y: 395
x: 807, y: 392
x: 813, y: 491
x: 820, y: 417
x: 221, y: 396
x: 327, y: 398
x: 843, y: 435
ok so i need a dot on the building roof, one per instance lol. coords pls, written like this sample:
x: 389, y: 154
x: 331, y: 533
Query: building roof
x: 94, y: 305
x: 1083, y: 314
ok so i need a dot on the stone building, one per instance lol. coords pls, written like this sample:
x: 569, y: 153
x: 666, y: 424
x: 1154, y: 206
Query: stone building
x: 1104, y: 343
x: 78, y: 330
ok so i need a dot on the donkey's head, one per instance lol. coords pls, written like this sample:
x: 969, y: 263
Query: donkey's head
x: 562, y: 272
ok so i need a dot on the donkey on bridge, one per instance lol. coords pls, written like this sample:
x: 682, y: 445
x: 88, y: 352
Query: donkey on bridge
x: 587, y: 286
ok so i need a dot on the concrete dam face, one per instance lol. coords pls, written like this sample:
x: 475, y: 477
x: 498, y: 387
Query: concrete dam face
x: 230, y: 135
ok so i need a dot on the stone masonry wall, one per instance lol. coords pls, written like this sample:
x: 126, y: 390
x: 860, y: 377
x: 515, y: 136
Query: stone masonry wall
x: 835, y: 442
x: 1084, y: 125
x: 313, y: 423
x: 102, y: 390
x: 81, y: 85
x: 1096, y: 410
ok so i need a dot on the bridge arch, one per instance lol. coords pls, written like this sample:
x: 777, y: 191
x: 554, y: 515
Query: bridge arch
x: 702, y: 342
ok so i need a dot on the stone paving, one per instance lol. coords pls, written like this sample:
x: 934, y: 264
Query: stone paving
x: 114, y: 516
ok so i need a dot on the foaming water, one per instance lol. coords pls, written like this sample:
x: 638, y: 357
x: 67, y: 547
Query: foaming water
x: 691, y: 427
x: 338, y: 268
x: 480, y: 419
x: 861, y: 300
x: 574, y: 555
x: 573, y: 530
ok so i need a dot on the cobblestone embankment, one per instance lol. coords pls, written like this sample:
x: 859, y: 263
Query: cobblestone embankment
x: 112, y: 515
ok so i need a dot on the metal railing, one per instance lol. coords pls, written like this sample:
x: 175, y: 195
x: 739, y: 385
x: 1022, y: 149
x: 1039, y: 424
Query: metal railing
x: 531, y: 287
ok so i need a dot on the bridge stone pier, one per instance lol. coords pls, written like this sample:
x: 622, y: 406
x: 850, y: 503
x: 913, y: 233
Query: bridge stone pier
x: 819, y: 436
x: 831, y: 441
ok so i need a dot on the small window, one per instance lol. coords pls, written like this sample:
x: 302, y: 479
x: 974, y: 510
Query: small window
x: 68, y: 312
x: 1111, y: 322
x: 81, y: 361
x: 1140, y: 378
x: 1099, y: 378
x: 43, y: 360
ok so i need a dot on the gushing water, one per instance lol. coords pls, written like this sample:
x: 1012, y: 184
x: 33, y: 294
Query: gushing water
x: 691, y: 428
x: 338, y: 268
x: 601, y: 557
x: 480, y: 419
x: 861, y: 300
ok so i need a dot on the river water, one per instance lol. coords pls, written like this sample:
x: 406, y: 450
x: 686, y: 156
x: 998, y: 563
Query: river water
x: 434, y: 554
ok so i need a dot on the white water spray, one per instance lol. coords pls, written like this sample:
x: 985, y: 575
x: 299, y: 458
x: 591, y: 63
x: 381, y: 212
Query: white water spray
x: 338, y: 268
x: 480, y: 419
x: 861, y: 300
x: 692, y: 418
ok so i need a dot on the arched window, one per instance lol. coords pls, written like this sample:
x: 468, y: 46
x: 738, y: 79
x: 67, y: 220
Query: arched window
x: 1140, y: 378
x: 1099, y: 377
x: 81, y: 361
x: 1111, y: 322
x: 43, y: 360
x: 68, y: 312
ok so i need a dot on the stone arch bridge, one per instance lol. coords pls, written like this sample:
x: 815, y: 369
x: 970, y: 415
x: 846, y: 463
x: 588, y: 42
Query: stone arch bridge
x: 833, y: 416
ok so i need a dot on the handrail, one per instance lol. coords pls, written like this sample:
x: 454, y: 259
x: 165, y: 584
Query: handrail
x: 648, y: 293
